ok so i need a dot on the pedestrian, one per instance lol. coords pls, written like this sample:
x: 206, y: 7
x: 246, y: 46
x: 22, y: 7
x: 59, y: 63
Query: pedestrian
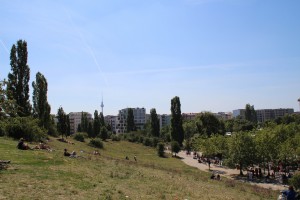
x: 135, y: 159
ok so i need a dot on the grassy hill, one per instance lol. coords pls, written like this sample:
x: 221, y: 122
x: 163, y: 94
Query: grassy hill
x: 41, y: 174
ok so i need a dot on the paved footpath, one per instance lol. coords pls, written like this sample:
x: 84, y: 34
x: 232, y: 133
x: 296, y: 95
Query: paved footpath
x: 227, y: 172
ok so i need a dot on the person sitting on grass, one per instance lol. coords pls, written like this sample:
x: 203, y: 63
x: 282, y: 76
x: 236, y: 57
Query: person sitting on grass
x: 22, y: 145
x: 218, y: 177
x: 71, y: 155
x: 42, y: 145
x: 290, y: 194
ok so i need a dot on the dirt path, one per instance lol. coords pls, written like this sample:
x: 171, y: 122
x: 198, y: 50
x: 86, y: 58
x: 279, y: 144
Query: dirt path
x: 230, y: 173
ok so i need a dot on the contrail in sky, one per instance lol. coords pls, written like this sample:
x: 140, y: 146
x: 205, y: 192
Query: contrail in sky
x: 4, y: 46
x: 88, y: 47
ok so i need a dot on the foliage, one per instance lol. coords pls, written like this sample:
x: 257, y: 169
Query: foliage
x: 130, y: 125
x: 242, y: 149
x: 18, y: 79
x: 190, y: 129
x: 96, y: 143
x: 84, y: 124
x: 41, y: 107
x: 96, y: 123
x: 90, y: 130
x: 62, y: 124
x: 154, y: 121
x: 8, y: 107
x: 295, y: 181
x: 175, y: 147
x: 160, y: 149
x: 177, y: 133
x: 208, y: 124
x: 24, y: 127
x: 115, y: 138
x: 79, y: 137
x: 250, y: 113
x: 103, y: 133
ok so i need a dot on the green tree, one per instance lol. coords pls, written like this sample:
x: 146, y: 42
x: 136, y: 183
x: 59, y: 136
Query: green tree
x: 154, y: 121
x: 175, y: 147
x: 250, y: 113
x: 176, y: 121
x: 84, y: 122
x: 130, y: 120
x: 90, y: 130
x: 101, y: 119
x: 7, y: 107
x: 18, y: 79
x: 96, y: 124
x: 41, y: 107
x: 208, y: 124
x: 103, y: 133
x: 242, y: 150
x: 62, y: 125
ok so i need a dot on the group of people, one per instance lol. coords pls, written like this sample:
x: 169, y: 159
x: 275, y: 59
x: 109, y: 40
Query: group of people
x: 22, y: 145
x: 214, y: 177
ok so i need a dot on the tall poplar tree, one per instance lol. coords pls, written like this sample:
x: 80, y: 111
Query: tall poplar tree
x: 177, y: 133
x: 41, y: 107
x: 250, y: 113
x: 96, y: 124
x: 62, y: 125
x: 130, y: 120
x: 154, y: 122
x: 18, y: 79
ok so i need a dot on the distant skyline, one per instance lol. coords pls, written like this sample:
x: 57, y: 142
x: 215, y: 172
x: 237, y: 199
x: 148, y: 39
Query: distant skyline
x: 216, y: 55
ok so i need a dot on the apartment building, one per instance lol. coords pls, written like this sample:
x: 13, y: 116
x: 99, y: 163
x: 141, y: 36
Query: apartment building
x: 112, y: 121
x: 189, y: 116
x: 139, y: 115
x: 75, y: 120
x: 164, y: 120
x: 265, y: 114
x: 270, y: 114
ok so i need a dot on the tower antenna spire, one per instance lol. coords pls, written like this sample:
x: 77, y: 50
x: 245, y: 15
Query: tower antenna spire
x: 102, y: 105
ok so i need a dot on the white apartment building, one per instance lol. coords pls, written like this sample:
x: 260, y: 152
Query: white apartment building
x: 75, y: 120
x: 139, y: 115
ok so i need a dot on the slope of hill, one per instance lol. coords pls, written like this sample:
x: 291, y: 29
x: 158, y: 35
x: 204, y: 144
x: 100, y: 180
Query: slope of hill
x: 41, y: 174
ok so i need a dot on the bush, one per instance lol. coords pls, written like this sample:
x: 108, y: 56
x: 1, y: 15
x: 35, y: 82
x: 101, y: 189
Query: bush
x: 53, y: 131
x: 25, y: 127
x: 147, y: 142
x: 160, y: 149
x: 2, y: 129
x: 115, y: 138
x: 96, y: 143
x: 155, y: 141
x: 295, y: 181
x: 79, y: 137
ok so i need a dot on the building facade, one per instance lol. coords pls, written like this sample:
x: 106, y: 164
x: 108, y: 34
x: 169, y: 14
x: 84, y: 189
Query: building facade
x: 271, y: 114
x: 265, y: 114
x: 112, y: 121
x: 139, y: 115
x: 75, y: 120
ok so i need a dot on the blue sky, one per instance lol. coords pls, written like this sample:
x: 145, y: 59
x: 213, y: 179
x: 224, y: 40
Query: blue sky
x: 216, y: 55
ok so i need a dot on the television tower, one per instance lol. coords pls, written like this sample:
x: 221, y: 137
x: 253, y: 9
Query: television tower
x: 102, y: 105
x: 299, y: 103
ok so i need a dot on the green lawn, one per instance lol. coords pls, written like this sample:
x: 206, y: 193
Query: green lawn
x: 40, y: 174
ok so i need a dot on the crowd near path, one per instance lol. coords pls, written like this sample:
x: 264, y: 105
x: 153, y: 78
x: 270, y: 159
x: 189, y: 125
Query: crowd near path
x: 224, y: 171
